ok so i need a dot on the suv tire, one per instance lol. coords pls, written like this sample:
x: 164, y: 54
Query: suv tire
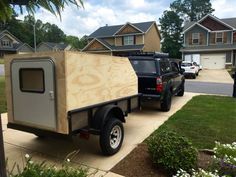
x: 166, y: 101
x: 194, y: 76
x: 111, y: 136
x: 181, y: 90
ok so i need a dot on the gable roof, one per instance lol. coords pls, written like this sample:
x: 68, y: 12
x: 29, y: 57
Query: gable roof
x: 194, y: 24
x: 109, y: 31
x: 60, y: 46
x: 6, y: 32
x: 114, y: 48
x: 229, y: 22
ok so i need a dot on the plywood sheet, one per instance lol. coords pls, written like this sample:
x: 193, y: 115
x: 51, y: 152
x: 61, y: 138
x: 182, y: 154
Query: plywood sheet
x: 92, y: 79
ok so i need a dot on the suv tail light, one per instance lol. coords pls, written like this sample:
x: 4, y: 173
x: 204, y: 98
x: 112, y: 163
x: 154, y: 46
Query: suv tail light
x: 159, y: 84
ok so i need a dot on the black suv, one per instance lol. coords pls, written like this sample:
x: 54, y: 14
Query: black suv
x: 158, y: 77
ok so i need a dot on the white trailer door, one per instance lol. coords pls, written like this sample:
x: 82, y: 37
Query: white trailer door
x: 33, y: 89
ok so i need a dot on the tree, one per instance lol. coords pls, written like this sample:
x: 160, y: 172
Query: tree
x: 53, y: 6
x: 75, y: 42
x: 193, y: 10
x: 171, y: 28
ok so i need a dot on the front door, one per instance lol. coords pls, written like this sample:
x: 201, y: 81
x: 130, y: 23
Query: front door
x: 33, y: 89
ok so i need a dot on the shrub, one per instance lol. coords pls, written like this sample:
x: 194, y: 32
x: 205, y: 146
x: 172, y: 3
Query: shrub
x: 33, y: 169
x: 225, y: 158
x: 172, y: 151
x: 199, y: 173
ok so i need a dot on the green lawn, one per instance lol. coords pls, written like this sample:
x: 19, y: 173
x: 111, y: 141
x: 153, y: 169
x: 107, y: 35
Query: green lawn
x: 1, y: 61
x: 3, y: 107
x: 204, y: 120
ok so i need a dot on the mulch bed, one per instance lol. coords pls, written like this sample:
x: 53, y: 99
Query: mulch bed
x: 139, y: 164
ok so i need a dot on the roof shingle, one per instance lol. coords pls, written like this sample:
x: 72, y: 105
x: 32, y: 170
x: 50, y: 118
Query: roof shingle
x: 109, y: 31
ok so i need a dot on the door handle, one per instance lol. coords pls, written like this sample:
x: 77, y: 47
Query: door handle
x: 51, y: 95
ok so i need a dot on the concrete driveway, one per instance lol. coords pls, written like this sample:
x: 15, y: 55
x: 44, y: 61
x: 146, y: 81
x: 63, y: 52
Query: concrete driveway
x: 138, y: 127
x: 217, y: 76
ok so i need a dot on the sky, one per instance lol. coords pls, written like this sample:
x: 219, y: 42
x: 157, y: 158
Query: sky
x: 84, y: 21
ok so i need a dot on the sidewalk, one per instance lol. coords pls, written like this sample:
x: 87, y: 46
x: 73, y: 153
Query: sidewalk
x: 138, y: 127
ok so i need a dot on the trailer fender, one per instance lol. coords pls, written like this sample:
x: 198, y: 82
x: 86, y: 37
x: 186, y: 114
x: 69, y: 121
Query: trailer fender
x: 104, y: 114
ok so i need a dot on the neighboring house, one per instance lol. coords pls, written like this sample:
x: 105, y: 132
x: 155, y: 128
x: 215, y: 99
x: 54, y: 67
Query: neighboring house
x: 9, y: 44
x: 124, y: 39
x: 211, y: 42
x: 51, y: 46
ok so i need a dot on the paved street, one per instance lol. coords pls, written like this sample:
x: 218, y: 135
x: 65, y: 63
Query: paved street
x: 209, y: 87
x: 1, y: 69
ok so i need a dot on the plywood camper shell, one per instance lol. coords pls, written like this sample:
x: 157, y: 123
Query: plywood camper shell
x: 81, y: 80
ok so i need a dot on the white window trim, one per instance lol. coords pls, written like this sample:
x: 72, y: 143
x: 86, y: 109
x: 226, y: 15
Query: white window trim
x: 198, y: 34
x: 219, y: 38
x: 6, y: 41
x: 128, y: 40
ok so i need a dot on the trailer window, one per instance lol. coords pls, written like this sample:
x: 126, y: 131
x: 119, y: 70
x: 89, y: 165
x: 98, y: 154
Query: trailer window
x: 32, y: 80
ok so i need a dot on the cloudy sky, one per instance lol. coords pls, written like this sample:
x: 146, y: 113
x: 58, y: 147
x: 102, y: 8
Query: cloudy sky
x: 84, y: 21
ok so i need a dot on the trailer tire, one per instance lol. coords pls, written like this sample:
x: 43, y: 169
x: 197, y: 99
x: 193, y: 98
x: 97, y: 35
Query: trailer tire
x: 111, y: 137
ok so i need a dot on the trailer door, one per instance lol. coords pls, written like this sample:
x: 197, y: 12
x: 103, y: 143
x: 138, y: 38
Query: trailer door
x: 33, y: 89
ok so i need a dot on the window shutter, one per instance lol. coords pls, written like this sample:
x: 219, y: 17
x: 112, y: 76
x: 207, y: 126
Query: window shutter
x: 122, y: 40
x: 201, y: 38
x: 225, y: 37
x: 190, y: 39
x: 134, y: 39
x: 213, y: 38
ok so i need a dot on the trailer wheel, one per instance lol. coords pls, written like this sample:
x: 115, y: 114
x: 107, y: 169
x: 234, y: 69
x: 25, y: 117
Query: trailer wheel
x: 111, y: 136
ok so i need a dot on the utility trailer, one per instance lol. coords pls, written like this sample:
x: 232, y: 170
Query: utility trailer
x: 66, y: 93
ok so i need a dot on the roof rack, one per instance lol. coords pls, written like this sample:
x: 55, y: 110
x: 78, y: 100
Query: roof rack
x: 152, y: 54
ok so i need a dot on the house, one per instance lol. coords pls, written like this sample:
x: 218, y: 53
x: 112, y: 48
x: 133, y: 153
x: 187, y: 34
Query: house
x: 210, y: 42
x: 9, y: 44
x: 124, y: 39
x: 51, y: 46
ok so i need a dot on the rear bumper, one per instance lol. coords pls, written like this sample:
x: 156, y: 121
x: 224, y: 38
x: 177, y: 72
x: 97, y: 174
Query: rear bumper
x: 148, y: 97
x: 189, y: 73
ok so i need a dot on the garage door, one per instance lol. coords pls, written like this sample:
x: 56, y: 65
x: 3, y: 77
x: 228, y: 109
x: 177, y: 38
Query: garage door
x: 213, y: 61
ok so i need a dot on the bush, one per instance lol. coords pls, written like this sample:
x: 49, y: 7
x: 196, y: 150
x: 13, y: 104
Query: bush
x: 172, y: 151
x: 33, y: 169
x: 225, y: 158
x: 199, y: 173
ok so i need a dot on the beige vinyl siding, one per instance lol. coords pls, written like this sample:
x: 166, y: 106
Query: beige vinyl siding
x: 118, y: 41
x: 110, y: 40
x: 152, y: 40
x: 139, y: 39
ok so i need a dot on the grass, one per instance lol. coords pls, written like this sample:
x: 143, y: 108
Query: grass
x: 3, y: 107
x: 204, y: 120
x: 1, y: 61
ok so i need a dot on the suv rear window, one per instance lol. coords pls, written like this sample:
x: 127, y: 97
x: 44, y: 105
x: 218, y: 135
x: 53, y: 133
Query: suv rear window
x: 144, y: 66
x: 186, y: 64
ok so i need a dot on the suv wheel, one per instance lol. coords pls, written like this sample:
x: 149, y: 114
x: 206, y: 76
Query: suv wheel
x: 181, y: 90
x: 194, y: 76
x: 111, y: 136
x: 166, y: 102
